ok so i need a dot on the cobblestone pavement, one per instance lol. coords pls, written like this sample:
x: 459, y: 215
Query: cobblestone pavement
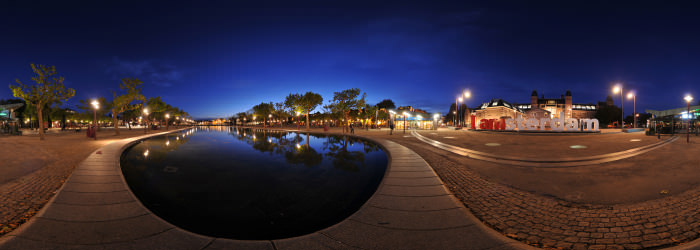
x: 549, y: 222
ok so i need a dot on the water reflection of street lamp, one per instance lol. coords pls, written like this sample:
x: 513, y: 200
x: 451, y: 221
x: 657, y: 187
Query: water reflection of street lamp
x: 618, y: 88
x: 687, y: 99
x: 95, y: 105
x: 633, y: 96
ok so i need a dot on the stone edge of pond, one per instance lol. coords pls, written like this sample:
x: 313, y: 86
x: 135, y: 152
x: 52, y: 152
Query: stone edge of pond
x: 411, y: 209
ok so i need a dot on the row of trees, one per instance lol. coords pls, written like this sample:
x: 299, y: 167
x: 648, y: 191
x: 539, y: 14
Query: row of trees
x: 48, y: 93
x: 344, y: 106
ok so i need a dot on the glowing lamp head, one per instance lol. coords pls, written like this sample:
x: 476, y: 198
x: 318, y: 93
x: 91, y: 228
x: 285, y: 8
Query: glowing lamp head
x: 95, y: 104
x: 617, y: 89
x: 460, y: 99
x: 167, y: 115
x: 467, y: 94
x: 630, y: 95
x: 688, y: 98
x: 145, y: 111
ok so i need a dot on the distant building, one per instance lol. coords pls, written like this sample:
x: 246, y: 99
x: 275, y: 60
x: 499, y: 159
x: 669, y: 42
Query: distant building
x: 410, y: 108
x: 496, y: 109
x: 553, y: 107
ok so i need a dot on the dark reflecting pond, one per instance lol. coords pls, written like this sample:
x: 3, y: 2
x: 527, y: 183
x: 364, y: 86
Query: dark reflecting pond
x: 244, y: 184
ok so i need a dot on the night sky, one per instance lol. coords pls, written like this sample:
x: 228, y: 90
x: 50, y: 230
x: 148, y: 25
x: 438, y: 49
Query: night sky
x: 217, y: 58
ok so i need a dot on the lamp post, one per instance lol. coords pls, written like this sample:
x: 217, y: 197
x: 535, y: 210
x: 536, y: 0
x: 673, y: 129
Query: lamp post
x: 633, y: 96
x: 435, y: 121
x: 167, y: 121
x: 145, y: 113
x: 618, y: 88
x: 404, y: 121
x: 467, y: 95
x: 688, y: 98
x: 95, y: 105
x: 459, y: 110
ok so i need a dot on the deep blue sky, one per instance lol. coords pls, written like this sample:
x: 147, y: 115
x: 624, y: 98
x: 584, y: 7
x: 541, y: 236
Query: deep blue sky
x: 216, y: 58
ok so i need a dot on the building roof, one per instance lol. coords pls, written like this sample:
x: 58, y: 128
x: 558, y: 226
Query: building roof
x: 11, y: 106
x: 497, y: 103
x: 668, y: 112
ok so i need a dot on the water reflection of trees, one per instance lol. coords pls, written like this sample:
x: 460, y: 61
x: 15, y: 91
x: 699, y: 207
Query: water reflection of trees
x: 280, y: 143
x: 337, y: 148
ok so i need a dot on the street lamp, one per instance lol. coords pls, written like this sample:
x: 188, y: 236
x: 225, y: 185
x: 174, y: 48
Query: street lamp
x: 167, y: 121
x: 633, y: 96
x: 145, y: 113
x: 95, y: 105
x: 618, y: 88
x: 459, y: 116
x: 404, y: 121
x: 687, y: 99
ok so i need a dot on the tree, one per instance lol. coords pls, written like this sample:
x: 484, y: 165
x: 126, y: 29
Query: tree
x: 607, y: 114
x: 305, y: 103
x: 88, y: 109
x: 263, y: 109
x: 279, y: 112
x: 386, y: 104
x: 345, y: 101
x: 368, y: 114
x: 48, y: 90
x: 124, y: 102
x: 242, y: 116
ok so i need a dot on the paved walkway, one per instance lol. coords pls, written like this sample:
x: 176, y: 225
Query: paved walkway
x: 411, y: 210
x: 553, y: 223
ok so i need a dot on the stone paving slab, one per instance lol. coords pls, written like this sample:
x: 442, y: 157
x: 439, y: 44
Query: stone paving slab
x: 313, y: 241
x: 240, y: 244
x: 95, y: 187
x: 80, y: 213
x: 407, y: 203
x: 417, y: 191
x: 92, y: 233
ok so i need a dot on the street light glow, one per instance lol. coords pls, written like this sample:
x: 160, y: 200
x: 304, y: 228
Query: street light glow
x: 467, y: 94
x: 630, y: 95
x: 617, y: 88
x: 95, y: 104
x: 145, y: 111
x: 688, y: 98
x: 460, y: 99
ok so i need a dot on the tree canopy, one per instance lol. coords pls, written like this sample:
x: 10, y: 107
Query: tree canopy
x: 303, y: 103
x: 48, y: 90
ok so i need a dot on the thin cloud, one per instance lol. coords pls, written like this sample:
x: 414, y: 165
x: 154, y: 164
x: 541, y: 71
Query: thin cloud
x: 160, y: 74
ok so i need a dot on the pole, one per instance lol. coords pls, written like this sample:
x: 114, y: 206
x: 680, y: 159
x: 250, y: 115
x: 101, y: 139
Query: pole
x: 634, y: 103
x: 688, y: 133
x: 622, y: 108
x: 404, y: 123
x: 95, y: 122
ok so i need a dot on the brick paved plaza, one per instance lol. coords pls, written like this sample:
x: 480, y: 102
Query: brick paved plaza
x: 649, y: 200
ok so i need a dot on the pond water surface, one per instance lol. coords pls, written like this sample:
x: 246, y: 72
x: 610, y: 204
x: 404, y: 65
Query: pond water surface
x: 253, y: 184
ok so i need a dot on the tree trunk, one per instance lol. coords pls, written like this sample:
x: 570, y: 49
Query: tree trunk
x: 115, y: 121
x: 40, y: 117
x: 308, y: 126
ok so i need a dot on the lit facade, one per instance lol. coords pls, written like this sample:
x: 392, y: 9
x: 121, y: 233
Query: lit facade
x: 554, y: 107
x: 496, y: 109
